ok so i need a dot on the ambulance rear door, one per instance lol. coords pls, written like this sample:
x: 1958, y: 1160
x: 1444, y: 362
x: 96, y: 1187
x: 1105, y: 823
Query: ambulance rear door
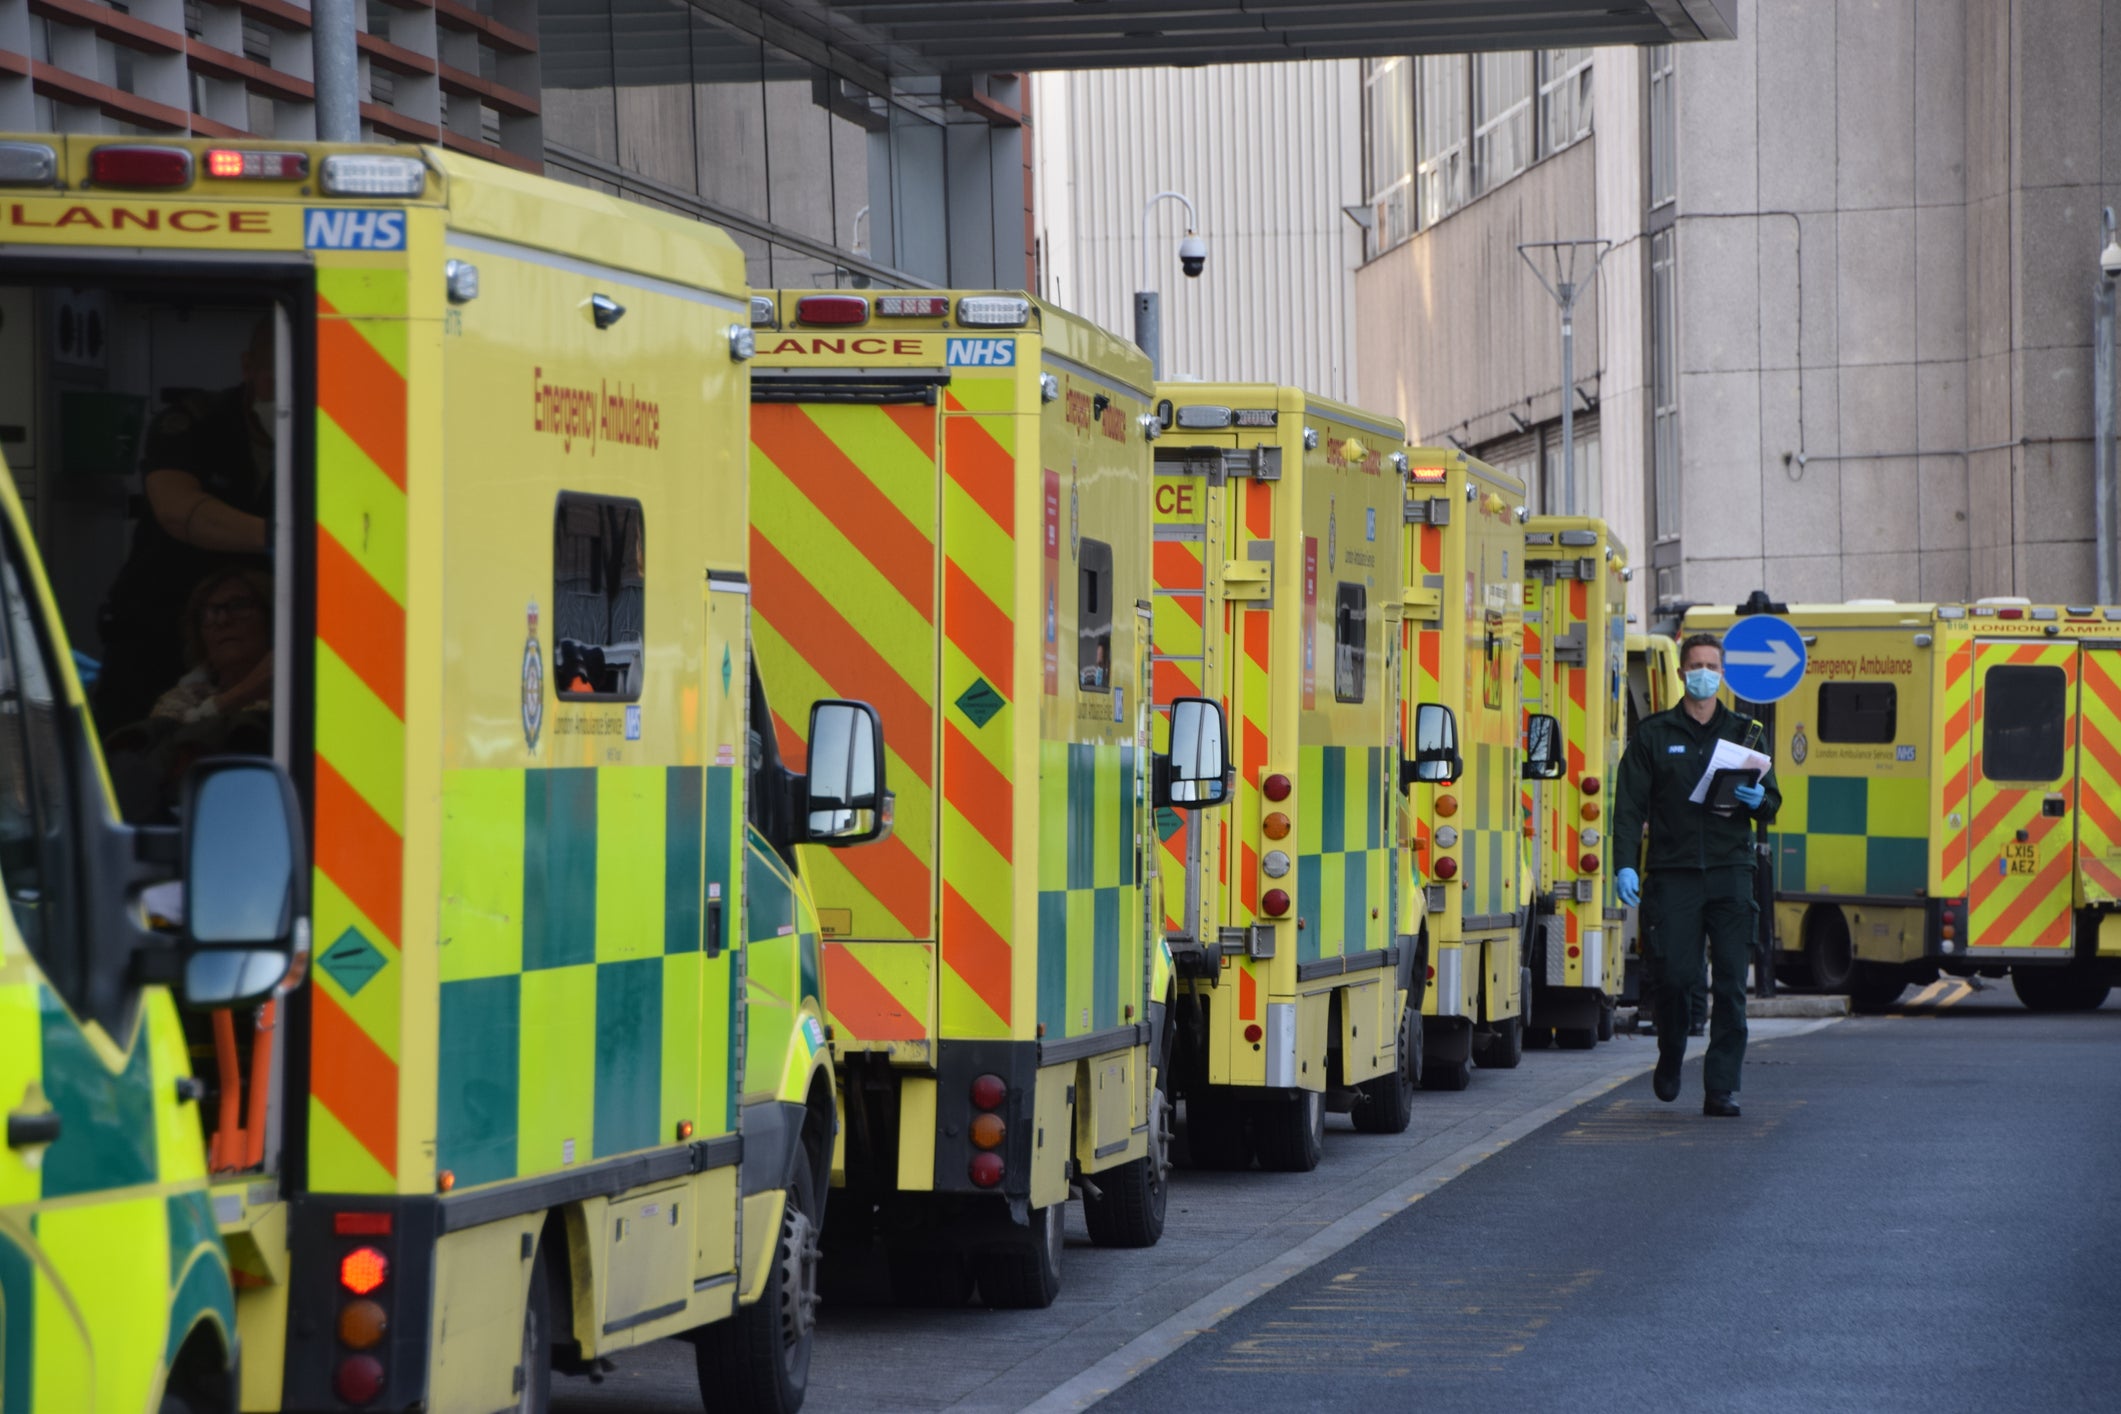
x: 2099, y: 775
x: 2023, y: 796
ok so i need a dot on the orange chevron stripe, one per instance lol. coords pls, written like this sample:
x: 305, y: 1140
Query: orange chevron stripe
x: 1432, y: 549
x: 982, y: 467
x: 862, y: 1004
x: 840, y: 491
x: 1958, y: 665
x: 980, y: 629
x: 917, y: 422
x: 1431, y: 655
x: 361, y: 622
x: 359, y: 390
x: 1255, y: 752
x: 2037, y: 895
x: 1247, y: 994
x: 350, y: 1075
x: 1259, y: 510
x: 976, y: 953
x: 1955, y: 725
x: 843, y: 655
x: 1173, y: 681
x: 1179, y: 565
x: 978, y: 791
x: 2096, y: 870
x: 359, y: 850
x: 1259, y: 642
x: 1578, y: 599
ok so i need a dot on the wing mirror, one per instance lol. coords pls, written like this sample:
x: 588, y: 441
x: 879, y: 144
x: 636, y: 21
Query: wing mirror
x: 1195, y: 773
x: 1435, y: 760
x: 844, y: 800
x: 246, y: 881
x: 1542, y: 748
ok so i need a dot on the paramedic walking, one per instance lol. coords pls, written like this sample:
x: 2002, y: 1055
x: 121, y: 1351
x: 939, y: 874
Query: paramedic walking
x: 1699, y: 863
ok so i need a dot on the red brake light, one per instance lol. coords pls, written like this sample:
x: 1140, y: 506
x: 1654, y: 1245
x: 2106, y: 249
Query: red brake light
x: 988, y: 1092
x: 359, y: 1379
x: 988, y: 1132
x: 986, y: 1169
x: 361, y: 1224
x: 1253, y: 1033
x: 832, y: 309
x: 1590, y: 785
x: 2010, y: 613
x: 139, y: 167
x: 363, y: 1270
x: 1274, y: 903
x: 1447, y: 868
x: 232, y: 163
x: 1275, y: 787
x: 1588, y: 864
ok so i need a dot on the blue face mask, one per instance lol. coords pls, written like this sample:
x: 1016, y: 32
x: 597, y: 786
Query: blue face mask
x: 1702, y: 682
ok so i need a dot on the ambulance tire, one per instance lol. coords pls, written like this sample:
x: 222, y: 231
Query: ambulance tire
x: 1290, y: 1134
x: 200, y: 1380
x: 1387, y: 1103
x: 1873, y: 989
x: 1128, y: 1208
x: 1024, y: 1275
x: 1216, y: 1134
x: 758, y: 1360
x: 1576, y: 1038
x: 930, y: 1278
x: 2046, y: 989
x: 1829, y: 954
x: 1606, y: 1009
x: 1448, y: 1065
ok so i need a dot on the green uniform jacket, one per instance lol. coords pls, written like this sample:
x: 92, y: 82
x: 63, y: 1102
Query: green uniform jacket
x: 1663, y: 763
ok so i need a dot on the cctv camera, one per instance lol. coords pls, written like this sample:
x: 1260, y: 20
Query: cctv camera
x: 1192, y: 255
x: 2109, y: 260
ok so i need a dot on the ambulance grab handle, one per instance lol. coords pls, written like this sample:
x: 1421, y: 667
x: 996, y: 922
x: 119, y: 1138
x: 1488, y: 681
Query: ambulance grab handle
x: 24, y: 1130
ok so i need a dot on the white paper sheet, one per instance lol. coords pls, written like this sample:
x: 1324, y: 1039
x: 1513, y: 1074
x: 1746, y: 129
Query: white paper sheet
x: 1728, y: 756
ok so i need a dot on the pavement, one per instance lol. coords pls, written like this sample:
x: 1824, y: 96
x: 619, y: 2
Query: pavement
x: 1230, y: 1239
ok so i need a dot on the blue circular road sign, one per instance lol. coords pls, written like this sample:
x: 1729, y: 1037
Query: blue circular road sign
x: 1763, y: 658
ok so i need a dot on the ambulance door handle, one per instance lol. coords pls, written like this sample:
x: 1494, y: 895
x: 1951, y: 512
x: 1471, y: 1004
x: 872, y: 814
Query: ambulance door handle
x: 714, y: 927
x: 2054, y: 807
x: 25, y: 1129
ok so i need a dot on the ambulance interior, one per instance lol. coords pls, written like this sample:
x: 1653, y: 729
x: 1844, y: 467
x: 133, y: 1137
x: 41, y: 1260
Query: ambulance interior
x: 182, y: 644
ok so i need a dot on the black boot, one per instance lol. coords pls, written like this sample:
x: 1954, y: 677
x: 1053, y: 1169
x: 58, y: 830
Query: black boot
x: 1720, y: 1104
x: 1665, y: 1080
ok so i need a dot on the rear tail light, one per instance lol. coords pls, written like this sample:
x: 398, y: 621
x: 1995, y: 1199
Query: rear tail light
x: 2010, y: 613
x: 832, y: 309
x: 912, y: 306
x: 372, y: 174
x: 1274, y: 903
x: 1253, y: 1033
x: 1275, y: 787
x: 988, y: 1092
x: 1588, y: 863
x: 1447, y: 868
x: 140, y: 167
x: 362, y: 1270
x: 361, y: 1224
x: 988, y: 1131
x: 1275, y: 826
x: 1590, y: 810
x: 359, y: 1379
x: 1447, y: 805
x: 245, y: 164
x: 993, y: 312
x: 986, y: 1170
x: 1589, y: 786
x: 28, y: 164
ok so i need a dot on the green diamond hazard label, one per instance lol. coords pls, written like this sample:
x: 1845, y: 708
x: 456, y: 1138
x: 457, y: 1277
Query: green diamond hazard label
x: 352, y: 961
x: 1168, y: 822
x: 980, y: 702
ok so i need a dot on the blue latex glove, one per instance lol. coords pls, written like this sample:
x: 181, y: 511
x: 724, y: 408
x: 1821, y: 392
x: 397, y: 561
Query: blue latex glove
x: 1628, y: 884
x: 1749, y: 796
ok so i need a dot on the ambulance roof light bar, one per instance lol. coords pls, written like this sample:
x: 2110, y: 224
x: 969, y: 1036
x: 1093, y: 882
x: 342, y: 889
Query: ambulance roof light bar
x: 993, y: 312
x: 1203, y: 417
x: 28, y: 164
x: 373, y: 174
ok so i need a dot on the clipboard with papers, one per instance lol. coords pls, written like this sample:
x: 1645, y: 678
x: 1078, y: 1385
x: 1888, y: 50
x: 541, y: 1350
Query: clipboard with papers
x: 1730, y: 766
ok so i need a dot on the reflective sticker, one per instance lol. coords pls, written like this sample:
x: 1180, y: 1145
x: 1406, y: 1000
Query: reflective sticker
x: 633, y: 721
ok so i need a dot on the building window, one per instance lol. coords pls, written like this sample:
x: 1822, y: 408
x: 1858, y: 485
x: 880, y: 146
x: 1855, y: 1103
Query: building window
x: 1858, y: 713
x: 1564, y: 97
x: 1664, y: 128
x: 1388, y: 150
x: 599, y: 584
x: 1440, y: 136
x: 1093, y: 617
x: 2024, y: 723
x: 1502, y: 118
x: 1350, y: 641
x: 1664, y: 384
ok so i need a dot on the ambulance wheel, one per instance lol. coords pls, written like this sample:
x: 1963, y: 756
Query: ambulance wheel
x: 1538, y: 1038
x: 1386, y: 1105
x: 1504, y: 1047
x: 535, y: 1396
x: 1216, y: 1136
x: 931, y: 1278
x: 1576, y: 1038
x: 2058, y: 989
x: 759, y: 1358
x: 1024, y: 1275
x: 1828, y: 954
x: 1873, y: 989
x: 1128, y: 1209
x: 1290, y: 1134
x: 1605, y: 1019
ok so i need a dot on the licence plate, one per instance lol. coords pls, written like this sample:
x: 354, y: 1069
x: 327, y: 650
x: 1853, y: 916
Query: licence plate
x: 2021, y: 858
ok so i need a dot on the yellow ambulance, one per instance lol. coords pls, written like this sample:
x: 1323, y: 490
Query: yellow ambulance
x: 1466, y: 862
x: 421, y: 481
x: 1575, y: 670
x: 951, y: 496
x: 1278, y: 587
x: 1951, y: 798
x: 1654, y: 685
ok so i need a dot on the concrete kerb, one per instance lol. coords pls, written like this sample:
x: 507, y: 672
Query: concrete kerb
x: 1085, y: 1389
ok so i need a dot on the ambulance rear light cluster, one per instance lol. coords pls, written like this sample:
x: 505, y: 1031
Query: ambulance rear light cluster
x: 993, y: 312
x: 1275, y: 824
x: 988, y: 1130
x: 1951, y: 924
x: 912, y: 306
x: 372, y: 174
x: 250, y: 164
x: 139, y: 166
x: 28, y: 164
x: 833, y: 310
x: 358, y: 1377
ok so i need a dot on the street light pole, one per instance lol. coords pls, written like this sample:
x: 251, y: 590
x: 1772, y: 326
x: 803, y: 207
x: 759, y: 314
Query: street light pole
x: 2103, y: 448
x: 1564, y: 287
x: 1148, y: 313
x: 336, y: 66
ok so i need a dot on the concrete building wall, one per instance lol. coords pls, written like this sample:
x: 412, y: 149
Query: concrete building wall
x: 1269, y: 153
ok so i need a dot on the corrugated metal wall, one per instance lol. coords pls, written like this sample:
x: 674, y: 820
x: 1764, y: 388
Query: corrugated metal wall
x: 1268, y: 152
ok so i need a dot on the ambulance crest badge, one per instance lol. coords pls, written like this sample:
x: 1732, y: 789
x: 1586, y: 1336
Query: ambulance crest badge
x: 533, y: 683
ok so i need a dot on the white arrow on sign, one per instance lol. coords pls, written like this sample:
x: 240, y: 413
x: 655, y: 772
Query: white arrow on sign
x: 1779, y: 659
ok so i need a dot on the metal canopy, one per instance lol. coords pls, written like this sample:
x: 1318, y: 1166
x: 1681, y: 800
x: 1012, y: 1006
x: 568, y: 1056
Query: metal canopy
x: 962, y: 37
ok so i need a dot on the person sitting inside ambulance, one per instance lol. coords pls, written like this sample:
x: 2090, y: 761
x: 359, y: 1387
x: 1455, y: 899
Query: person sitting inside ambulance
x: 207, y: 475
x: 221, y: 706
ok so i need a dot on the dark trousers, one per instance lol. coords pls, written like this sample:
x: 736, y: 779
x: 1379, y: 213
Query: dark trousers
x: 1679, y: 908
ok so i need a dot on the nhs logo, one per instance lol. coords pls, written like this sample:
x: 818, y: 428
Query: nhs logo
x: 981, y: 353
x: 353, y: 228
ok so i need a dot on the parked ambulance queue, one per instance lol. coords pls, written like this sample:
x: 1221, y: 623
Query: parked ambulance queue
x: 549, y: 800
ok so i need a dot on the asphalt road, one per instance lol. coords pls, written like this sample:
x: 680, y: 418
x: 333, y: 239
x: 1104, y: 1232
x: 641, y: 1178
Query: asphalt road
x: 1918, y: 1211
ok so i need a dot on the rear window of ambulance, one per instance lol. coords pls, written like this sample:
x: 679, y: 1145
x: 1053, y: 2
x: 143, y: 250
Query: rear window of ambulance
x: 2023, y: 716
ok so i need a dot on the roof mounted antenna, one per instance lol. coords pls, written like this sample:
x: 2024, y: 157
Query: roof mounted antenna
x: 1758, y: 603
